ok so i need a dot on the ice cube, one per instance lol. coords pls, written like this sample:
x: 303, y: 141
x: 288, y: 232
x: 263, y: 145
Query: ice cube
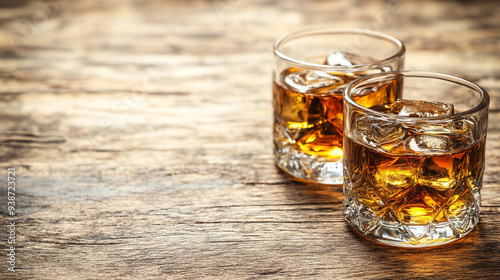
x: 391, y: 174
x: 379, y: 94
x: 417, y: 108
x: 378, y: 133
x: 386, y: 132
x: 324, y: 141
x: 431, y: 143
x: 386, y: 135
x: 433, y: 139
x: 360, y: 128
x: 337, y: 59
x: 439, y: 173
x: 312, y: 81
x: 293, y: 108
x: 346, y: 59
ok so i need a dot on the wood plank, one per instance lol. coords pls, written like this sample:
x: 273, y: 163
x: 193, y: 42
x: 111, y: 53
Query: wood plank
x: 141, y: 136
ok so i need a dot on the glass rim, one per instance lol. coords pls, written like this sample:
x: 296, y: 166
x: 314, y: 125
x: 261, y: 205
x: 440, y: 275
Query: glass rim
x: 485, y: 97
x: 334, y: 30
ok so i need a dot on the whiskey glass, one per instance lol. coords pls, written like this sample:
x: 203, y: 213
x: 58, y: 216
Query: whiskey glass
x: 311, y: 68
x: 413, y: 168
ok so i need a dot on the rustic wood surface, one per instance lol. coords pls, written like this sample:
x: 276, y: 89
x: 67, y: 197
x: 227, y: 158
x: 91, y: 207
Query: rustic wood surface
x: 140, y: 132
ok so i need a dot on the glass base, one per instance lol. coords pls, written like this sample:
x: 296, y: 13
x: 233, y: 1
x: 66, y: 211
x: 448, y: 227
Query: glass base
x: 399, y: 234
x: 308, y: 168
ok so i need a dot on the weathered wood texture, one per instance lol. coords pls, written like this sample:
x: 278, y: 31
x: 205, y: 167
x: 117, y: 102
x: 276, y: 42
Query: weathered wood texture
x: 141, y: 136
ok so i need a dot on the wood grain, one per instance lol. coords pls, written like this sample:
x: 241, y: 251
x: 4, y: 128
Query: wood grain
x: 141, y: 136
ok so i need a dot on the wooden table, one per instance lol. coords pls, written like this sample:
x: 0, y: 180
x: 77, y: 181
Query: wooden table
x: 140, y: 134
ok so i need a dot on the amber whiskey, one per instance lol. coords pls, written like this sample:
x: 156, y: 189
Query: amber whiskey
x: 413, y: 181
x: 308, y: 105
